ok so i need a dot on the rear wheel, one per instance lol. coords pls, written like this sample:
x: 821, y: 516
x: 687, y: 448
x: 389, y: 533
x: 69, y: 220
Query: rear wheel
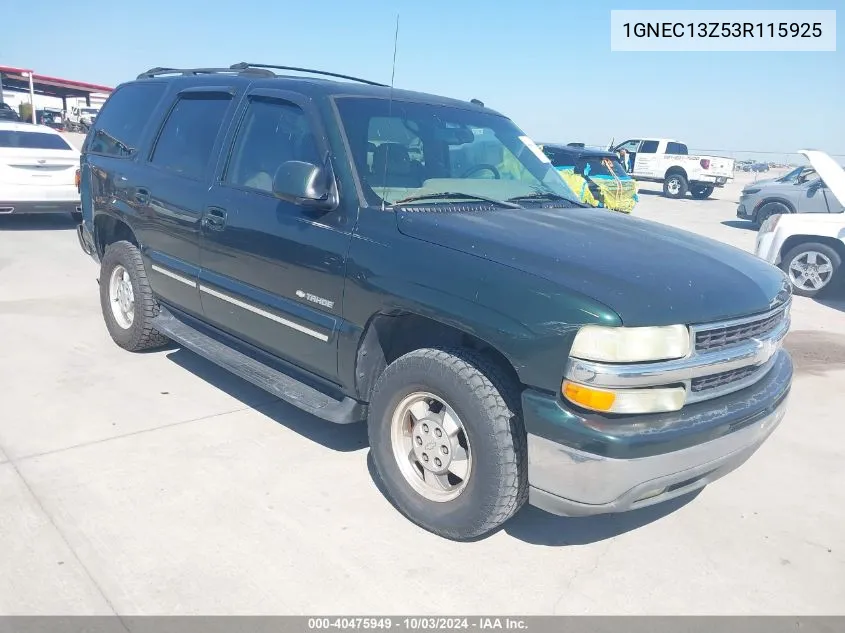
x: 701, y: 192
x: 127, y: 300
x: 811, y: 268
x: 675, y: 185
x: 448, y: 443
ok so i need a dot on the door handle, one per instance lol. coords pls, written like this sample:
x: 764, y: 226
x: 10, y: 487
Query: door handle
x: 214, y: 218
x: 142, y: 196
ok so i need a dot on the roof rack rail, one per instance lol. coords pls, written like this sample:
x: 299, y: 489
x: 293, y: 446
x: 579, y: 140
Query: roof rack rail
x: 244, y: 66
x: 158, y: 71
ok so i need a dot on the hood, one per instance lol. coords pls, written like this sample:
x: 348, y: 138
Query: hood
x: 648, y: 273
x: 829, y: 171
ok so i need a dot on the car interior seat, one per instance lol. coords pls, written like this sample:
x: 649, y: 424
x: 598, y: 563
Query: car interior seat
x: 392, y: 167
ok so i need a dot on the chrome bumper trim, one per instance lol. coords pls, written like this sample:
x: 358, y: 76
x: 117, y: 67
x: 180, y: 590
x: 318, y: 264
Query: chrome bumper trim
x: 570, y: 482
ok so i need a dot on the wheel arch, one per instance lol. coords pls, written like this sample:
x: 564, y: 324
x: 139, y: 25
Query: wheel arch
x: 108, y: 229
x: 796, y: 240
x: 387, y: 336
x: 770, y: 200
x: 676, y: 169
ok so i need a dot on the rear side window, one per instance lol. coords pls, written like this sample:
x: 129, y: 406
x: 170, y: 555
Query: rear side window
x: 32, y: 140
x: 118, y: 128
x: 649, y: 147
x: 677, y: 148
x: 185, y: 142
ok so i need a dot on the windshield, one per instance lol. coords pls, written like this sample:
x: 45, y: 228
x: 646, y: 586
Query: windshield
x: 403, y: 150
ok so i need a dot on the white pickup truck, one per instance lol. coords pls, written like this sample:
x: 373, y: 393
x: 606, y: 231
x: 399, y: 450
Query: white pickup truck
x: 668, y: 161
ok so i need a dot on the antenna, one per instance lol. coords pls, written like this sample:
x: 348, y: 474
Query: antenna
x: 390, y: 99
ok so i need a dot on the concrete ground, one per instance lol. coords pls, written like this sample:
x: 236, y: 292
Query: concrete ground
x: 158, y: 484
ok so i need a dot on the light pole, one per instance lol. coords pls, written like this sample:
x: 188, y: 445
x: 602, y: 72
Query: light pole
x: 29, y: 74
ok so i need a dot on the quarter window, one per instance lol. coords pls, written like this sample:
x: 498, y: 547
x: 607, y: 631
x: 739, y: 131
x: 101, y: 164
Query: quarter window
x: 119, y: 125
x: 272, y: 132
x: 187, y: 137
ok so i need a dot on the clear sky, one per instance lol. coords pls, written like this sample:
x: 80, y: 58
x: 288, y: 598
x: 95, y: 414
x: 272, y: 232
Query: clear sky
x: 545, y: 63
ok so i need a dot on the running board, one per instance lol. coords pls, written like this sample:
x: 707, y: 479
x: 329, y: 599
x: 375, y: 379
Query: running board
x: 281, y: 385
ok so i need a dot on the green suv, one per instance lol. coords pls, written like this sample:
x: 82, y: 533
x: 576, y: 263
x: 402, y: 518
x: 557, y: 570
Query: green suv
x: 416, y: 262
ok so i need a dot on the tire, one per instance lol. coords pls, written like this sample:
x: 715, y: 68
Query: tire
x: 701, y: 192
x: 138, y: 334
x: 77, y: 216
x: 486, y: 404
x: 768, y: 210
x: 802, y: 256
x: 675, y: 186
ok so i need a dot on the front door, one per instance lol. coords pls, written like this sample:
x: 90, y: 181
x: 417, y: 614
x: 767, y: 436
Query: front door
x: 631, y: 148
x: 272, y: 272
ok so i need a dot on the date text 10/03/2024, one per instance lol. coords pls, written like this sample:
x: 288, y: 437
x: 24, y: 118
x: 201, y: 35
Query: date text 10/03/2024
x: 417, y: 623
x: 770, y: 30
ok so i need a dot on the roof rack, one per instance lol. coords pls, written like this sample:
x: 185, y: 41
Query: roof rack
x: 245, y: 66
x: 158, y: 71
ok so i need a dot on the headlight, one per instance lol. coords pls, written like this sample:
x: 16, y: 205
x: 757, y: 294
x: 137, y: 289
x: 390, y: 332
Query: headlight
x: 769, y: 224
x: 631, y: 344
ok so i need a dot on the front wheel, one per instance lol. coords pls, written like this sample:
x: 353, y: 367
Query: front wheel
x: 127, y: 300
x: 768, y: 210
x: 811, y: 268
x: 701, y: 192
x: 448, y: 443
x: 675, y: 186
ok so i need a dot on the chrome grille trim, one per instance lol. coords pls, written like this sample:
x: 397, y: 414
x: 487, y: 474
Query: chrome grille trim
x: 712, y: 336
x: 704, y: 374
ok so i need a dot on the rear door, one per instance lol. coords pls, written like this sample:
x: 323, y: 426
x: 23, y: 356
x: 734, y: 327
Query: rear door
x: 272, y: 271
x: 171, y: 191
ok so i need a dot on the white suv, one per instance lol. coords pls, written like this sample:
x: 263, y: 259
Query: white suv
x: 38, y: 171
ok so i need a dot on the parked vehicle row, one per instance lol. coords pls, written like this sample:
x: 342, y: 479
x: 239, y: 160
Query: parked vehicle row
x: 417, y: 262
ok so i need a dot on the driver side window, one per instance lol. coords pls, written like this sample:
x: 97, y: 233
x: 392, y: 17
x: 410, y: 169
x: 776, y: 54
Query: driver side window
x: 271, y: 133
x: 629, y: 146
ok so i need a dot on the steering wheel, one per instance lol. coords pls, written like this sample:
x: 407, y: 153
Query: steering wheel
x: 482, y: 167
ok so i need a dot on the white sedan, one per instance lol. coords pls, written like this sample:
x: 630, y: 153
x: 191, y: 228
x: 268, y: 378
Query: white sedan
x: 38, y: 171
x: 808, y: 247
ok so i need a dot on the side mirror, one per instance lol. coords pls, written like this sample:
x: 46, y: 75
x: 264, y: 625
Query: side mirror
x: 305, y: 184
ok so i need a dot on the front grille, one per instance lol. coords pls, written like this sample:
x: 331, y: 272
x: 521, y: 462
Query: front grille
x: 715, y: 381
x: 719, y: 337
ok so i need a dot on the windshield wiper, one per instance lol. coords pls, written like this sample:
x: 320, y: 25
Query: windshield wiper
x: 546, y: 197
x: 455, y: 195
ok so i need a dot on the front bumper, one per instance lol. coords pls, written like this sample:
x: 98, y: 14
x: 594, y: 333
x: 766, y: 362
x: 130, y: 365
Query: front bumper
x: 743, y: 212
x: 584, y: 464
